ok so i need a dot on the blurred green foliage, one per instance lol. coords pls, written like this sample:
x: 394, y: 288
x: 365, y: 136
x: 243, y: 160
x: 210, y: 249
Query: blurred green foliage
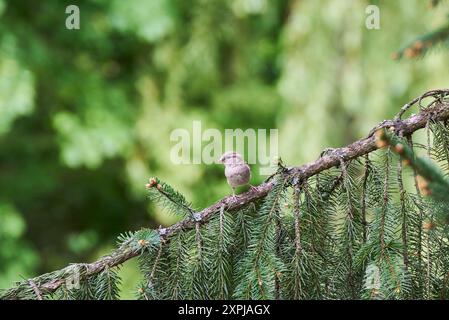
x: 86, y: 115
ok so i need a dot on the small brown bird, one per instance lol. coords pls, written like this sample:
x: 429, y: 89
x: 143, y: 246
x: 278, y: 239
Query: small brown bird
x: 237, y: 172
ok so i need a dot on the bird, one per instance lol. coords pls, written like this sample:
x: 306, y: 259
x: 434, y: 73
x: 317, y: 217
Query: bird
x: 237, y: 172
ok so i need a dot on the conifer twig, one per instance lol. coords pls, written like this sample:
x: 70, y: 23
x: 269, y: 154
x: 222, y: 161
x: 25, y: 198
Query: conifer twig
x: 50, y: 282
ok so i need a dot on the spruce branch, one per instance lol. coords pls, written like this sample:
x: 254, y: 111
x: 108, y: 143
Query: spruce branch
x: 363, y: 196
x: 404, y: 217
x: 221, y: 276
x: 134, y: 244
x: 296, y: 270
x: 422, y: 44
x: 168, y: 197
x: 431, y: 181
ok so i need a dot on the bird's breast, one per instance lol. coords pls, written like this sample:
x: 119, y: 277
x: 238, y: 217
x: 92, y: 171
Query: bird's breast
x: 238, y: 175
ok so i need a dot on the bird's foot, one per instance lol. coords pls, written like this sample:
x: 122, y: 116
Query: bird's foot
x: 253, y: 188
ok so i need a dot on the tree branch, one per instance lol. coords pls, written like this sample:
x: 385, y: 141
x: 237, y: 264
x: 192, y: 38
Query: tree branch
x: 438, y: 111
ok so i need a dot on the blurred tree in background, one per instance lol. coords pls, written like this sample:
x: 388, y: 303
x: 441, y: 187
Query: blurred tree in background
x: 86, y: 115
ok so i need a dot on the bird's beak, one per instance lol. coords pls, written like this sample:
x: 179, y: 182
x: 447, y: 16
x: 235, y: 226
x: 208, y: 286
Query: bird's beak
x: 221, y: 159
